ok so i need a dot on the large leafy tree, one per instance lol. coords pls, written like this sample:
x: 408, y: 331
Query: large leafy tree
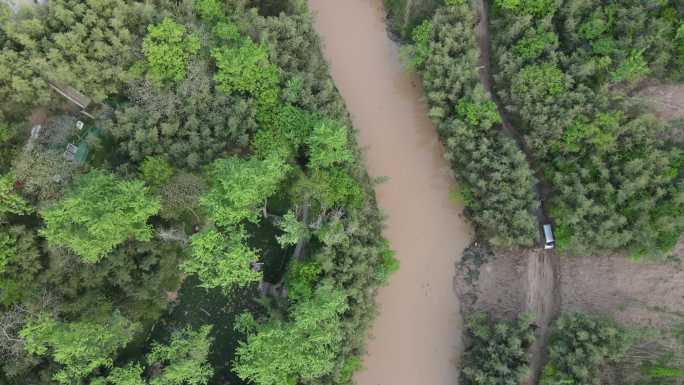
x: 222, y: 261
x: 329, y: 145
x: 10, y: 201
x: 330, y: 160
x: 304, y: 348
x: 100, y: 213
x: 167, y: 48
x: 129, y: 375
x: 80, y: 347
x: 184, y: 359
x: 240, y: 186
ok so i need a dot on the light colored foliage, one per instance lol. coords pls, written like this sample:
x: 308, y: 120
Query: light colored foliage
x: 244, y: 69
x: 80, y: 347
x: 329, y: 145
x: 240, y: 186
x: 183, y: 359
x: 293, y: 230
x: 129, y: 375
x: 100, y: 213
x: 155, y: 171
x: 10, y: 201
x: 222, y: 261
x: 303, y: 349
x: 167, y: 48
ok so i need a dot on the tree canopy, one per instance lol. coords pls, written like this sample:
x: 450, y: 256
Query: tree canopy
x: 301, y: 349
x: 100, y: 213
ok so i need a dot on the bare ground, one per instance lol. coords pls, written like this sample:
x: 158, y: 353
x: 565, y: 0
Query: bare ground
x: 666, y: 100
x: 543, y: 301
x: 635, y: 294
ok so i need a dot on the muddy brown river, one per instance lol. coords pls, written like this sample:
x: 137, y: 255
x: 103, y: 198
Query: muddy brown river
x: 416, y: 338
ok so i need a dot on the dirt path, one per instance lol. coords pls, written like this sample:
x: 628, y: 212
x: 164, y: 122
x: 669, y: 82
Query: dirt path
x: 541, y: 189
x: 417, y: 337
x: 543, y: 289
x: 543, y: 300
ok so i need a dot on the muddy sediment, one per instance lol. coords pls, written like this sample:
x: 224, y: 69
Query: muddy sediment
x: 416, y: 338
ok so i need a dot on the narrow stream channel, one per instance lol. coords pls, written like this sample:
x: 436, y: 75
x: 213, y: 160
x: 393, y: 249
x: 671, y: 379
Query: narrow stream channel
x: 416, y: 338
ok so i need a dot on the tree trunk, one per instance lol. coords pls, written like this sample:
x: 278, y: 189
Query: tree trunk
x: 302, y: 242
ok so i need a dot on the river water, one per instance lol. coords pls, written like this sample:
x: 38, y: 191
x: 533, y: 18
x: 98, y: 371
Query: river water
x: 417, y: 337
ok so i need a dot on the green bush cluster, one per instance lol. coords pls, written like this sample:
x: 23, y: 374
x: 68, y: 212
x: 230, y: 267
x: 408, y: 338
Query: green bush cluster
x: 497, y: 354
x: 579, y: 348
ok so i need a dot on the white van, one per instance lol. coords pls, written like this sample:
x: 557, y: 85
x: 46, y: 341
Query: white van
x: 549, y: 242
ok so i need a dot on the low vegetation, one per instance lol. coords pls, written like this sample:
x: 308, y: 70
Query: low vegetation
x: 498, y: 351
x: 580, y: 347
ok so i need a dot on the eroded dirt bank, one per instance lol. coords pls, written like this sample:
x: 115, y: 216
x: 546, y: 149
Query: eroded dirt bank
x: 417, y: 336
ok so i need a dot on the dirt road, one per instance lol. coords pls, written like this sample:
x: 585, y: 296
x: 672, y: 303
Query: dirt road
x: 417, y: 336
x: 542, y: 286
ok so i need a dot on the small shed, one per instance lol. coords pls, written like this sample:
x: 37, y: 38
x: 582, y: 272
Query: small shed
x: 80, y: 152
x: 71, y: 94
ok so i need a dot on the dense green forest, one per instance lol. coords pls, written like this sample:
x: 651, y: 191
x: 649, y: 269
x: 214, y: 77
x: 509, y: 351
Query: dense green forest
x: 215, y: 225
x: 564, y: 72
x: 566, y: 75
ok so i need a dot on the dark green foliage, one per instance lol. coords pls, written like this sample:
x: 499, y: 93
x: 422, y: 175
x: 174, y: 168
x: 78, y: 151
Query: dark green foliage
x: 534, y: 43
x: 618, y: 41
x: 498, y: 351
x: 180, y: 197
x: 580, y: 345
x: 190, y: 123
x: 491, y: 169
x: 86, y: 45
x: 19, y: 262
x: 406, y: 15
x: 135, y: 277
x: 615, y: 183
x: 44, y: 174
